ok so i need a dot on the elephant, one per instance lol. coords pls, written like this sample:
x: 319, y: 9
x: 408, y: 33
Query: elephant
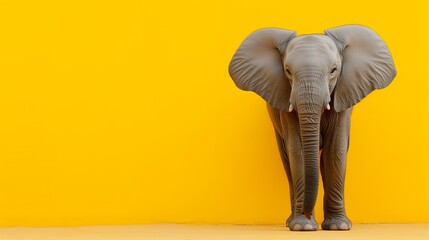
x: 301, y: 78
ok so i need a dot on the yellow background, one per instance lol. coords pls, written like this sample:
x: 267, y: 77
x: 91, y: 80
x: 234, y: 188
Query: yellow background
x: 123, y: 112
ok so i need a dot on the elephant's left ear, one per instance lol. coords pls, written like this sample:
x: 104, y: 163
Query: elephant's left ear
x: 367, y: 64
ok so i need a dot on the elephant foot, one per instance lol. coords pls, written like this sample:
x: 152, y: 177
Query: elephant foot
x: 337, y: 223
x: 301, y: 223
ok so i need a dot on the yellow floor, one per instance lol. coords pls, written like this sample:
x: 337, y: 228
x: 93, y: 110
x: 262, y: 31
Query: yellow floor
x: 210, y: 232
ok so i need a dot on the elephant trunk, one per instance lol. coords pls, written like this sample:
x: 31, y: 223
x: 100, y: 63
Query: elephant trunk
x: 309, y: 107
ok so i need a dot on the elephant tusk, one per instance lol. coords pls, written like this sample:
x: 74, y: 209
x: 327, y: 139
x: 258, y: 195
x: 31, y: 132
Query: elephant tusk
x: 290, y: 107
x: 328, y: 107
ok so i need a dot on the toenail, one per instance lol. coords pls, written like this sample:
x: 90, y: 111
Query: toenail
x: 297, y: 227
x: 343, y: 226
x: 308, y: 227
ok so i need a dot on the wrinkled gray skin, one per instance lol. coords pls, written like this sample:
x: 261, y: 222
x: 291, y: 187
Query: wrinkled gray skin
x: 302, y: 78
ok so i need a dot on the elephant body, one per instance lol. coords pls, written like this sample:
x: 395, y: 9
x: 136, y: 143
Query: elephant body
x: 300, y: 78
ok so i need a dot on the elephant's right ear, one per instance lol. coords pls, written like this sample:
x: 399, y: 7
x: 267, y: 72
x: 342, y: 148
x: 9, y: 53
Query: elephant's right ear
x: 257, y: 66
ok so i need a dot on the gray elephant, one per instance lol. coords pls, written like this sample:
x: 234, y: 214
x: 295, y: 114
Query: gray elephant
x: 300, y: 78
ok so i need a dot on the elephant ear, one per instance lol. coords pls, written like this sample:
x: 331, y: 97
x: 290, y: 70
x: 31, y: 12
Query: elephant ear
x: 257, y: 66
x: 367, y: 64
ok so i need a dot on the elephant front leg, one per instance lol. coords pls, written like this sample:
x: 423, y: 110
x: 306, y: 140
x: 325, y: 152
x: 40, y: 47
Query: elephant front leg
x: 333, y: 161
x: 298, y: 221
x: 292, y: 149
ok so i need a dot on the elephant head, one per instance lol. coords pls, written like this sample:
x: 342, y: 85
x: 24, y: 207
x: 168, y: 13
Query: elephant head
x: 308, y: 74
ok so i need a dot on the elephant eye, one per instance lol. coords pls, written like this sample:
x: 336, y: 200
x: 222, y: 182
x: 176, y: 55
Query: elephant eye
x: 333, y: 70
x: 288, y: 71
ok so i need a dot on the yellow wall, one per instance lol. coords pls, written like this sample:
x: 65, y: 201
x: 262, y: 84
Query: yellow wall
x: 120, y: 112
